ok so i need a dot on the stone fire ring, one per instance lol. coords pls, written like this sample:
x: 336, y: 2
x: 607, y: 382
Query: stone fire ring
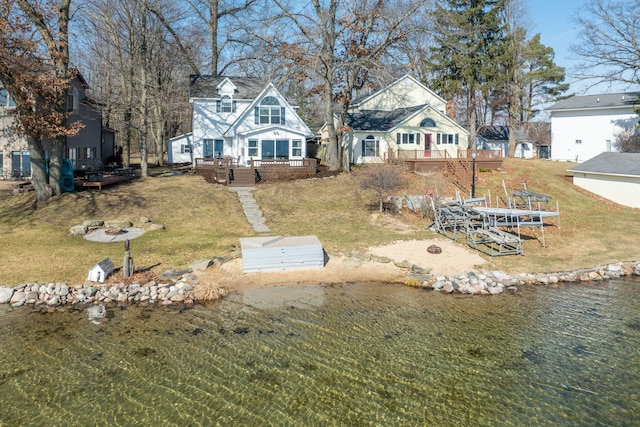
x: 101, y: 235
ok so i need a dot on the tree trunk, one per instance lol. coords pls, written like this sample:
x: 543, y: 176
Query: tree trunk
x: 333, y: 142
x: 39, y: 170
x: 56, y: 156
x: 126, y: 143
x: 213, y: 35
x: 513, y: 117
x: 473, y: 130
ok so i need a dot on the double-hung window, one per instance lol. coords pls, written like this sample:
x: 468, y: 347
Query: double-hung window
x: 407, y: 138
x: 252, y: 148
x: 448, y: 138
x: 370, y: 146
x: 226, y: 104
x: 296, y: 148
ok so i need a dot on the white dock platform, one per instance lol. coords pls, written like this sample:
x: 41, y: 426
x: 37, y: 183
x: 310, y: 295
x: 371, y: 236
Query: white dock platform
x: 277, y: 253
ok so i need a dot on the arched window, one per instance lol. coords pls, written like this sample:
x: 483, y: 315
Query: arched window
x: 427, y: 122
x: 226, y: 104
x: 269, y: 111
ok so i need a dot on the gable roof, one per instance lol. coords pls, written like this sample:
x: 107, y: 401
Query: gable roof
x: 606, y: 100
x: 377, y: 120
x: 611, y: 163
x: 362, y: 99
x: 249, y: 111
x: 207, y: 86
x: 499, y: 133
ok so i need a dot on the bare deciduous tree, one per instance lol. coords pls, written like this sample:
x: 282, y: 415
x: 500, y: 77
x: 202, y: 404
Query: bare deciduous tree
x: 35, y: 71
x: 383, y: 180
x: 139, y: 63
x: 628, y: 141
x: 214, y: 14
x: 610, y: 41
x: 337, y: 45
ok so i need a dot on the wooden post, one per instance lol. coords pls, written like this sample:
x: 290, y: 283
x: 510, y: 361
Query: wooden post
x: 127, y: 263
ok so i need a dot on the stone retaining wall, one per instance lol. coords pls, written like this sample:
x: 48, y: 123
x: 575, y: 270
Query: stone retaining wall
x: 181, y: 292
x: 56, y: 294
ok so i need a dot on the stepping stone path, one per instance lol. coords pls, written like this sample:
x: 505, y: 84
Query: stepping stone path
x: 251, y: 209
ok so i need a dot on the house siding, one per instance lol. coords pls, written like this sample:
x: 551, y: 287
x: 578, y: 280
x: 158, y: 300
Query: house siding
x: 405, y: 91
x: 622, y: 190
x: 175, y: 153
x: 238, y: 127
x: 358, y: 138
x: 407, y: 103
x: 89, y: 137
x: 592, y: 127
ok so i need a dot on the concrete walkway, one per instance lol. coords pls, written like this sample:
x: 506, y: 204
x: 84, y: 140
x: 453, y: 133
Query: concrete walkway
x: 251, y: 209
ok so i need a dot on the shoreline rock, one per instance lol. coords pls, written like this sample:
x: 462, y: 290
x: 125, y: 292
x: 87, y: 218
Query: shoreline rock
x: 179, y: 291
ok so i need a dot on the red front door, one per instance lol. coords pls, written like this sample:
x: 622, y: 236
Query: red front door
x: 427, y: 145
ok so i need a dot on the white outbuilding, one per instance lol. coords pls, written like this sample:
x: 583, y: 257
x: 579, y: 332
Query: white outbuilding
x: 614, y: 176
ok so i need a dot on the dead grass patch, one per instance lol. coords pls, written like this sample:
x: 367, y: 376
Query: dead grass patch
x: 204, y: 220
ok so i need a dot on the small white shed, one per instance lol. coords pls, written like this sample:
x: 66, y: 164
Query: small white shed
x: 277, y: 253
x: 100, y: 271
x: 180, y: 149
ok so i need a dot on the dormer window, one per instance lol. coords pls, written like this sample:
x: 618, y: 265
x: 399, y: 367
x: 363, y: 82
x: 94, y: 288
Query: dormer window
x: 269, y: 111
x: 226, y: 105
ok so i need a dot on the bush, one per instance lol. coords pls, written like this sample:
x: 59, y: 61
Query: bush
x: 383, y: 180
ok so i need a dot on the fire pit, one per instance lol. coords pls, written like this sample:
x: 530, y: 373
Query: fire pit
x: 114, y: 231
x: 433, y: 249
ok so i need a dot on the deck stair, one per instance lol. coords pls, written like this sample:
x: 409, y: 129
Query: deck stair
x: 459, y: 171
x: 242, y: 177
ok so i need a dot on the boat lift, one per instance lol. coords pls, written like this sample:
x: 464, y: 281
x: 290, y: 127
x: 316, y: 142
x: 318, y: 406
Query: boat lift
x: 483, y: 226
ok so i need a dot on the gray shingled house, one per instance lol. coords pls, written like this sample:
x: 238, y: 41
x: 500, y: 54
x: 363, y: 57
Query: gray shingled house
x: 614, y: 176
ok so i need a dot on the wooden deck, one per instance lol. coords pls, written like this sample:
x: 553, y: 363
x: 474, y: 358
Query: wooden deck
x: 459, y: 169
x: 226, y: 171
x: 99, y: 181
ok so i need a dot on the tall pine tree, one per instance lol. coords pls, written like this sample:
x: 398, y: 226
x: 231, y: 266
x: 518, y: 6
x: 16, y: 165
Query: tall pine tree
x: 543, y: 79
x: 469, y: 45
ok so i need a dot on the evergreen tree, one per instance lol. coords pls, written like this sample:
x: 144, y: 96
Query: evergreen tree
x: 469, y: 46
x: 543, y: 79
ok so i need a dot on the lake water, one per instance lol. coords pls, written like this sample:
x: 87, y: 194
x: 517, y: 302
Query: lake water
x: 357, y: 354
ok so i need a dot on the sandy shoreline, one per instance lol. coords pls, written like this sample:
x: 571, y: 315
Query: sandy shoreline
x: 453, y: 259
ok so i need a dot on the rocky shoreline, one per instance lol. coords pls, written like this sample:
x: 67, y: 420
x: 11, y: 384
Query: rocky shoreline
x: 181, y: 291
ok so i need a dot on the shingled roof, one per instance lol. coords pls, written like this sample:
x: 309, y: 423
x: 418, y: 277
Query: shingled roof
x: 377, y: 120
x: 611, y: 163
x: 499, y: 133
x: 608, y: 100
x: 205, y: 86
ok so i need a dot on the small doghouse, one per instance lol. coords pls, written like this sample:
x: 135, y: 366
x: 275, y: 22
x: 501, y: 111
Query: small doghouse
x: 100, y: 271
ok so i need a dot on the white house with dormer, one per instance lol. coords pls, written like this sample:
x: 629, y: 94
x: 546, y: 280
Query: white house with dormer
x: 584, y: 126
x: 240, y: 118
